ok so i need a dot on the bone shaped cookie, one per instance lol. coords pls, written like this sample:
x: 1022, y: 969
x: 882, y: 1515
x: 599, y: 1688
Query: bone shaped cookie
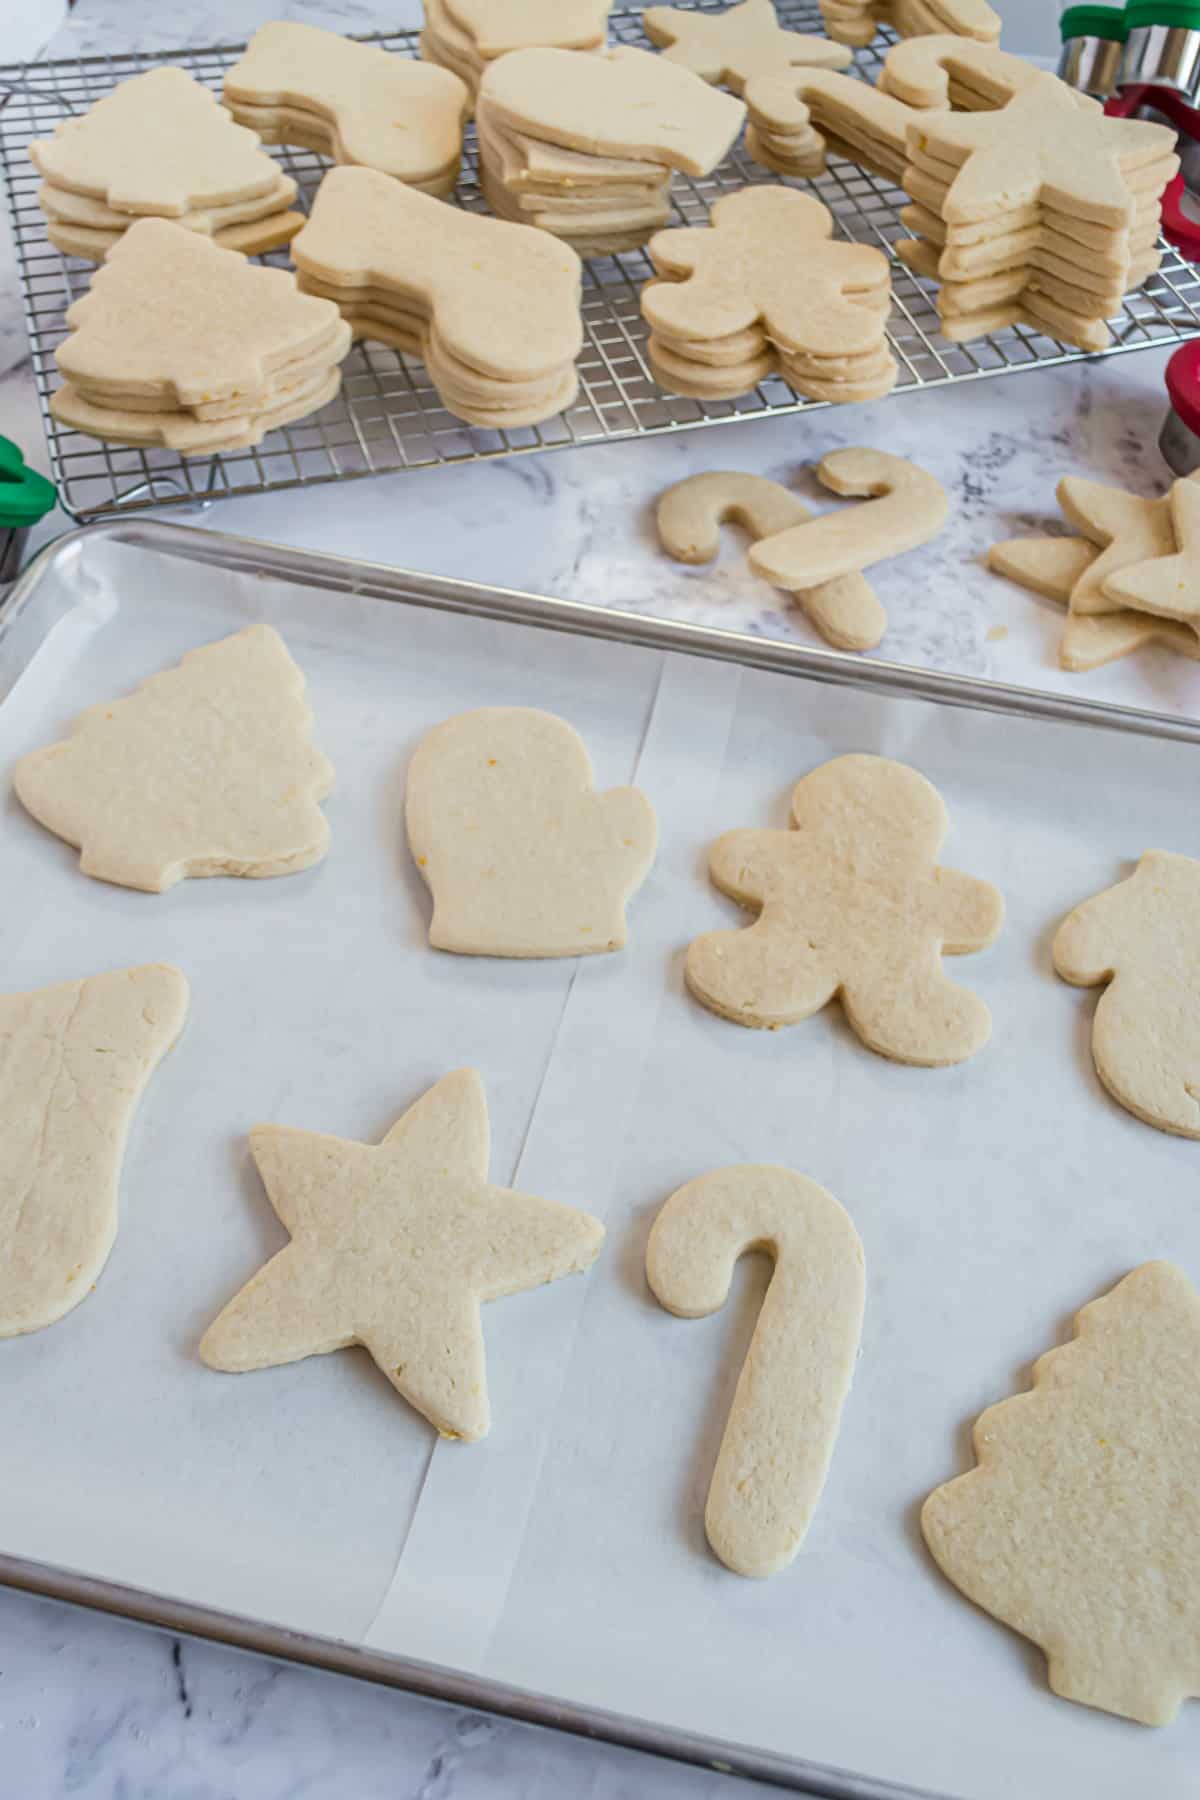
x: 729, y: 48
x: 852, y: 905
x: 208, y: 769
x: 522, y: 855
x: 383, y: 111
x: 783, y: 1423
x: 1141, y: 941
x: 906, y: 507
x: 395, y: 1246
x: 766, y: 258
x: 74, y: 1061
x: 845, y: 611
x: 1079, y: 1526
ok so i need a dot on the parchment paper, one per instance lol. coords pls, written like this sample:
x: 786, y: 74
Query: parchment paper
x: 566, y: 1554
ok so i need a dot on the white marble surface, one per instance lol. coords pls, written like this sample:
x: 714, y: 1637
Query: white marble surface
x: 94, y: 1707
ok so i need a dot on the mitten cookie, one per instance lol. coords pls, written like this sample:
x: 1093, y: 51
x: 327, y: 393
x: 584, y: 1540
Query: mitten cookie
x: 1079, y: 1526
x: 355, y: 102
x: 729, y: 48
x: 522, y: 855
x: 783, y: 1423
x: 76, y: 1061
x: 846, y: 611
x: 208, y: 769
x: 1140, y: 940
x: 852, y: 905
x: 395, y: 1246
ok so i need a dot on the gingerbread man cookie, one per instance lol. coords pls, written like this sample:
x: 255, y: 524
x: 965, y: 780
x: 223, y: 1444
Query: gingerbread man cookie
x: 852, y: 905
x: 1141, y: 941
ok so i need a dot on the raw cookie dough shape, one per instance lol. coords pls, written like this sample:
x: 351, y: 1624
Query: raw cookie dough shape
x: 383, y: 111
x: 853, y: 906
x: 207, y: 769
x: 1055, y: 567
x: 394, y: 1247
x: 522, y: 856
x: 158, y: 143
x: 846, y: 611
x: 729, y: 48
x: 905, y: 507
x: 1141, y: 939
x: 1167, y: 585
x: 766, y: 257
x: 1079, y: 1527
x: 75, y: 1060
x: 783, y: 1424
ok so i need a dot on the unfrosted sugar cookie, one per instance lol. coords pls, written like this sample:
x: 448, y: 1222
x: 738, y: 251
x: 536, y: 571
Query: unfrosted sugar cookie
x: 1141, y: 941
x: 521, y: 853
x: 74, y: 1061
x: 852, y: 904
x: 208, y: 769
x: 730, y: 48
x: 783, y: 1423
x: 1080, y: 1525
x: 395, y: 1246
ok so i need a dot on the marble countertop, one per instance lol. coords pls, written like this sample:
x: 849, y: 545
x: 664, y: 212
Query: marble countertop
x: 106, y: 1710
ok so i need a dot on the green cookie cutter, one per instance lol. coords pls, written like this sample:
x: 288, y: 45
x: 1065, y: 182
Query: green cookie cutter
x: 25, y: 496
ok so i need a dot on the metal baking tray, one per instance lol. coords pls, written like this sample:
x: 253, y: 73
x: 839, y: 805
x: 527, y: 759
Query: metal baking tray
x: 1028, y: 1194
x: 388, y: 415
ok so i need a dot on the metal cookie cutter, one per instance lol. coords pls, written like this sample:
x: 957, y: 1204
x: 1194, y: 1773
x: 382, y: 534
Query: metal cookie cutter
x: 1093, y: 38
x: 25, y: 497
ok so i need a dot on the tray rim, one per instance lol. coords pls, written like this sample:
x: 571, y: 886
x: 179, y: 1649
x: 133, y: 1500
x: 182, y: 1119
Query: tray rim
x: 372, y: 580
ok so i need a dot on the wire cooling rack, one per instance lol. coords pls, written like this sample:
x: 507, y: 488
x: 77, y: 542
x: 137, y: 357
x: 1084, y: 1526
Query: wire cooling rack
x: 388, y: 415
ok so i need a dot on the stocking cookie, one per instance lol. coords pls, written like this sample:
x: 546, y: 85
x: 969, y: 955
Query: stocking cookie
x: 356, y: 102
x: 1140, y: 940
x: 905, y: 507
x: 845, y: 611
x: 729, y: 48
x: 783, y: 1423
x: 76, y: 1059
x: 852, y: 905
x: 395, y: 1246
x: 208, y: 769
x: 1079, y: 1526
x: 522, y: 855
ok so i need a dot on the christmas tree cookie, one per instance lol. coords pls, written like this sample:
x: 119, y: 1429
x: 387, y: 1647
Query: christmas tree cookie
x: 1080, y: 1527
x: 207, y: 769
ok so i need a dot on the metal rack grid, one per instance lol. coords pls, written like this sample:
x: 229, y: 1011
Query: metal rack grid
x: 388, y: 416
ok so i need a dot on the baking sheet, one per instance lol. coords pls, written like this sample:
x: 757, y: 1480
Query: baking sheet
x: 566, y: 1553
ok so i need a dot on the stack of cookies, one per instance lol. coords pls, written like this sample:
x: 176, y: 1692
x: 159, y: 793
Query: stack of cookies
x: 764, y: 290
x: 182, y: 344
x: 583, y: 145
x: 856, y: 21
x: 491, y: 308
x: 796, y: 119
x: 1042, y: 212
x: 355, y: 103
x: 160, y: 145
x: 466, y: 35
x: 943, y: 71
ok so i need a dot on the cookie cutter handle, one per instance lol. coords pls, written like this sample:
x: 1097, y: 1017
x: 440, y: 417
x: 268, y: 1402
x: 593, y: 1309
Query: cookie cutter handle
x: 1179, y: 439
